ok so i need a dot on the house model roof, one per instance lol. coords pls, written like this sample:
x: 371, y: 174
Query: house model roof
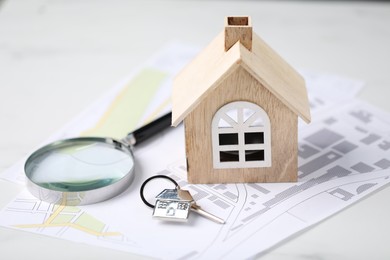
x: 238, y: 47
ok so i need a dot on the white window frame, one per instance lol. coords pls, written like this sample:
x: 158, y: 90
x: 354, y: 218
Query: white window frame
x: 240, y: 127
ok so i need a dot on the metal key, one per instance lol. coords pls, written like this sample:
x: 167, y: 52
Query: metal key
x: 175, y: 204
x: 196, y: 208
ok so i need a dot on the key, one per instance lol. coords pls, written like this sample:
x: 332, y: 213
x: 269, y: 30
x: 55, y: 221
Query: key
x: 196, y: 208
x: 175, y: 204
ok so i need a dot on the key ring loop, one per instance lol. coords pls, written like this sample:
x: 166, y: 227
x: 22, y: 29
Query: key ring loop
x: 141, y: 190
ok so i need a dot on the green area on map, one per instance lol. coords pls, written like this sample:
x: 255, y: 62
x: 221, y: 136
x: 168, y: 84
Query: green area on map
x: 89, y: 222
x: 127, y: 109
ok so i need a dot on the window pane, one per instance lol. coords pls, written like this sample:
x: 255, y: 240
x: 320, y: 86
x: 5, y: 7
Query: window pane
x: 254, y: 155
x: 254, y: 138
x: 228, y: 139
x: 223, y: 124
x: 233, y: 114
x: 258, y: 122
x: 247, y: 113
x: 228, y: 156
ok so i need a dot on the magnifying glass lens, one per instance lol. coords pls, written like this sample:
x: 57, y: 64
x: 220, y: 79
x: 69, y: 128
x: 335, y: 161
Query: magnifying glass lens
x: 78, y: 166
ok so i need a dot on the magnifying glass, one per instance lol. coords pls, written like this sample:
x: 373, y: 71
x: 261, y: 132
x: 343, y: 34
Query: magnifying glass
x: 86, y: 170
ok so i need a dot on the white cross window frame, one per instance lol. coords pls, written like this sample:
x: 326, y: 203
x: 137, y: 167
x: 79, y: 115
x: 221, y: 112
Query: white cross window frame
x: 237, y: 151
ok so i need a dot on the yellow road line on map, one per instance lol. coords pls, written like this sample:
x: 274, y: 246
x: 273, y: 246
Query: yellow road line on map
x: 133, y: 87
x: 58, y: 210
x: 55, y: 214
x: 128, y: 107
x: 109, y: 111
x: 92, y: 232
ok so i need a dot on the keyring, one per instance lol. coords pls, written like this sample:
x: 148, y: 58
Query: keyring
x: 141, y: 190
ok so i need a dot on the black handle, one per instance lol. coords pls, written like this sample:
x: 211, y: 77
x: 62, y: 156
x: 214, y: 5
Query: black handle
x: 148, y: 130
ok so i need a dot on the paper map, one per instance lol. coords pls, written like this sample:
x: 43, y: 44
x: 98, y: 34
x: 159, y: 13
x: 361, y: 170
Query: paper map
x: 343, y: 156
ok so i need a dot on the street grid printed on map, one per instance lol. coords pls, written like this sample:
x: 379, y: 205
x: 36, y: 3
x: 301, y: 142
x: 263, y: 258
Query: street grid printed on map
x: 343, y: 156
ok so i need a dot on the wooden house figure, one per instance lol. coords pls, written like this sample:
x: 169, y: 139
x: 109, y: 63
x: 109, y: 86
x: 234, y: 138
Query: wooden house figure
x: 240, y: 103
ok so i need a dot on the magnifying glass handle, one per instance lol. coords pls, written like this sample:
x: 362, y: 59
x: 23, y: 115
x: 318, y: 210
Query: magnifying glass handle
x: 141, y: 134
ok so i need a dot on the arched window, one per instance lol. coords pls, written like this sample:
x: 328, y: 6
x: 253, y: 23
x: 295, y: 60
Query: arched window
x: 241, y: 136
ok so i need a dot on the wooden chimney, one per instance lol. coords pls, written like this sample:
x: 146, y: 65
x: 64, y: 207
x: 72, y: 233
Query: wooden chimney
x: 238, y: 28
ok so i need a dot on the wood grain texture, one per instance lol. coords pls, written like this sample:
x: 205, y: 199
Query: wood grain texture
x: 277, y: 76
x: 201, y: 75
x: 241, y: 85
x: 196, y: 81
x: 254, y: 73
x: 238, y: 28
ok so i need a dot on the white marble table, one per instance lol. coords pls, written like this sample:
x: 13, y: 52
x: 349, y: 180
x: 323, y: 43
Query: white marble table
x: 58, y: 56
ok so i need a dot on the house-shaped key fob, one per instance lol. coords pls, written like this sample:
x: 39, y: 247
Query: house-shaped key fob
x: 173, y: 204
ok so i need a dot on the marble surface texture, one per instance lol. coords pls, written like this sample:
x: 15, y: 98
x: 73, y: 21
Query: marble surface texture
x: 58, y: 56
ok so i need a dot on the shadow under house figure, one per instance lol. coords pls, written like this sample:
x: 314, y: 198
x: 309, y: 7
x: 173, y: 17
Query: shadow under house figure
x: 240, y: 103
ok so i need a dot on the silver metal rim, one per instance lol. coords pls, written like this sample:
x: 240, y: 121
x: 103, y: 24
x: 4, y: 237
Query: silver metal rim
x: 84, y: 197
